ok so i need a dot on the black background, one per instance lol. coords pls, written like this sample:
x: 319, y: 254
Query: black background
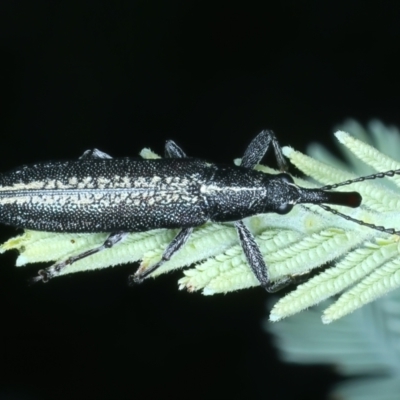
x: 122, y: 75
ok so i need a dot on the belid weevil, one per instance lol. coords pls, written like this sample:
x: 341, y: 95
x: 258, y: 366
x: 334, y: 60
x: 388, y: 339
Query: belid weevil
x: 97, y: 193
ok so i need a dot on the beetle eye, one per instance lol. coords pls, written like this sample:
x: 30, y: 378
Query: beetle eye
x: 284, y: 208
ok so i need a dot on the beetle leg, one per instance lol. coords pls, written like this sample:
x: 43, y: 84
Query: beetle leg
x: 172, y: 150
x: 178, y: 242
x: 256, y: 261
x: 259, y: 146
x: 55, y: 269
x: 94, y: 153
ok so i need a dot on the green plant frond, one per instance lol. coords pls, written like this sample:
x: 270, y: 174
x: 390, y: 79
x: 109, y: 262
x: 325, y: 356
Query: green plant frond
x: 318, y: 152
x: 386, y: 138
x: 148, y: 154
x: 351, y: 269
x: 358, y: 131
x: 365, y: 342
x: 369, y: 155
x: 36, y: 246
x: 376, y: 284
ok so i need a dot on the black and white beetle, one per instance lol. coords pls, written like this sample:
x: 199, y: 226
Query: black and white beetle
x: 97, y: 193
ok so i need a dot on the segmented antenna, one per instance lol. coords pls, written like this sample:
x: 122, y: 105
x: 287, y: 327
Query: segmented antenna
x: 391, y: 231
x: 378, y: 175
x: 363, y: 178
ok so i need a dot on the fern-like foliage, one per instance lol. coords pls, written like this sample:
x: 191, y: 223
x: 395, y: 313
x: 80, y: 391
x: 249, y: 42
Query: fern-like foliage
x: 371, y: 267
x: 367, y: 261
x: 365, y: 345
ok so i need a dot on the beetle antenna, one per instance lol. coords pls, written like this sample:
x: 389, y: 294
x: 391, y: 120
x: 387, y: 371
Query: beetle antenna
x: 378, y: 175
x: 391, y: 231
x: 363, y: 178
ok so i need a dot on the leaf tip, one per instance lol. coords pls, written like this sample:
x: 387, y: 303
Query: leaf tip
x: 341, y: 136
x: 287, y: 151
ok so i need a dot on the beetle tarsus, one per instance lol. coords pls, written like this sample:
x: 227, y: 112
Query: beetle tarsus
x: 178, y: 242
x: 36, y: 279
x: 276, y: 286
